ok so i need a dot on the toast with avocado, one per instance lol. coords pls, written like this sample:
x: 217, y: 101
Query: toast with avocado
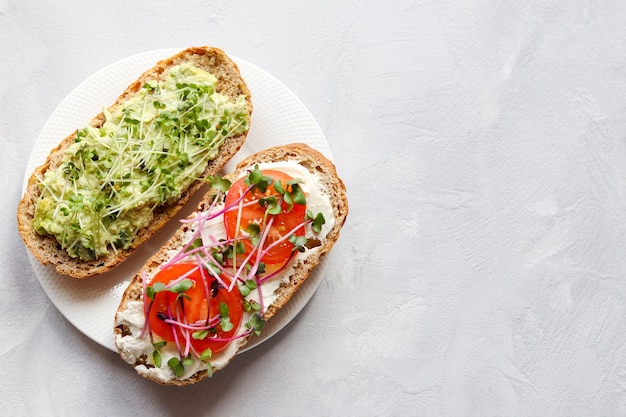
x: 253, y: 241
x: 111, y: 185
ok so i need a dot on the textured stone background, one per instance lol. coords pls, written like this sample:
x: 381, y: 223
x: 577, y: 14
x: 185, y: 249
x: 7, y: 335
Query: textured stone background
x: 482, y: 268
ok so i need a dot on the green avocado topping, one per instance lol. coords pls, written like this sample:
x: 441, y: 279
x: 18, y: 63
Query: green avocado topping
x: 145, y: 155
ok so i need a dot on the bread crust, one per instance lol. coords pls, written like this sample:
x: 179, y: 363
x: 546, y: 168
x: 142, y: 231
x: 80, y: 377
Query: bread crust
x: 306, y: 156
x: 47, y: 250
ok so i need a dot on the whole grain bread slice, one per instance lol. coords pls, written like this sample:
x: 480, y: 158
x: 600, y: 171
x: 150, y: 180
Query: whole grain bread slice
x: 46, y: 248
x: 333, y: 186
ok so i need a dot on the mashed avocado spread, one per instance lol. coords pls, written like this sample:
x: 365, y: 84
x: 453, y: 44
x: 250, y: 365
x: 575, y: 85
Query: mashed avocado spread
x: 147, y: 152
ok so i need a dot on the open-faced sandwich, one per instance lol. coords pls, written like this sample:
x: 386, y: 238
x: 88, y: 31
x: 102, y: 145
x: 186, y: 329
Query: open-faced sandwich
x: 253, y: 241
x: 108, y: 187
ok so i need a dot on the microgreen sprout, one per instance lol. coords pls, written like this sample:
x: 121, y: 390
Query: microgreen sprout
x: 219, y: 183
x: 152, y: 290
x: 156, y: 358
x: 200, y: 334
x: 181, y: 286
x: 247, y: 287
x: 177, y: 366
x: 257, y: 180
x: 317, y: 221
x: 299, y: 242
x: 251, y: 305
x: 156, y: 354
x: 206, y: 354
x: 255, y: 323
x: 291, y: 193
x: 224, y: 318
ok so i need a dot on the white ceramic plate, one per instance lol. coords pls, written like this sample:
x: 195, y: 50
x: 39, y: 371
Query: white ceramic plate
x: 278, y: 118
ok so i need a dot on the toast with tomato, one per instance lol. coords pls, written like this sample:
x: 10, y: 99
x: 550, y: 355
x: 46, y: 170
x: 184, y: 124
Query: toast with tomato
x: 110, y: 186
x: 252, y: 242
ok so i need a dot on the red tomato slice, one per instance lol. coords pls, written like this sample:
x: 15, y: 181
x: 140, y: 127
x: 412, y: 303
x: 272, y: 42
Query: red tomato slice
x: 195, y: 308
x: 282, y: 224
